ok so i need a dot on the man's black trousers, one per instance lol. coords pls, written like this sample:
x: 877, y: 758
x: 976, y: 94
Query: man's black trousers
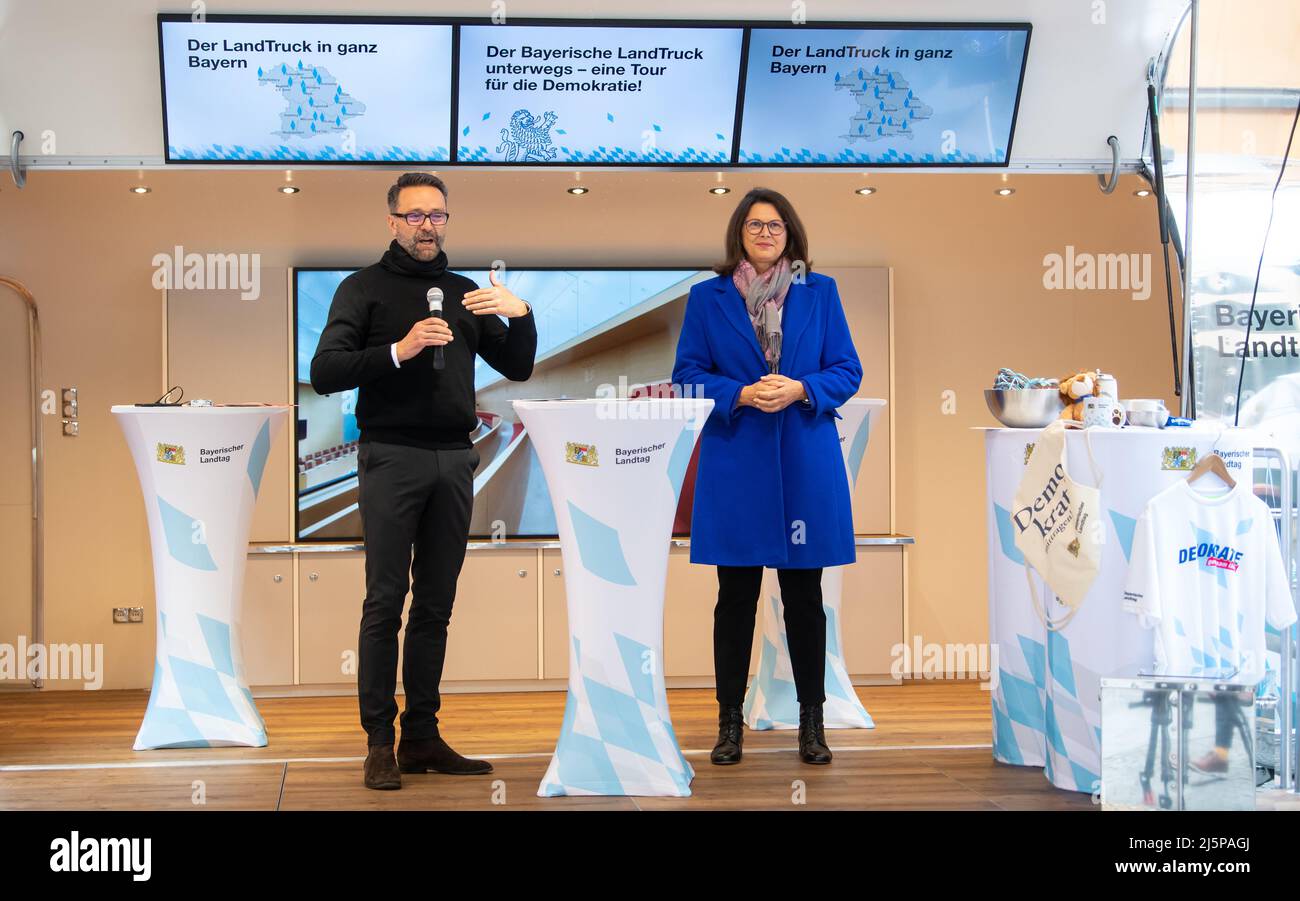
x: 411, y: 499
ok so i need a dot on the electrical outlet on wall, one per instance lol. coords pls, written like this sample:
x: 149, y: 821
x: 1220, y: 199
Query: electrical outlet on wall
x: 135, y: 614
x: 120, y: 615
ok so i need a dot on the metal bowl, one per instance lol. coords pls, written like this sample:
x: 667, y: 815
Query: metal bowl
x: 1024, y: 408
x: 1151, y: 419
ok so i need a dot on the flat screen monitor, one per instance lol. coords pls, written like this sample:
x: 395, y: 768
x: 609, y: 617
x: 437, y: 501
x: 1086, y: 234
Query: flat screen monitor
x: 305, y: 90
x: 605, y: 95
x: 601, y: 333
x: 882, y: 95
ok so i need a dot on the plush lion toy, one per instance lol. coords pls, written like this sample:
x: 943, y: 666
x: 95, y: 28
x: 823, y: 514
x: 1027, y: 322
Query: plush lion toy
x: 1074, y: 388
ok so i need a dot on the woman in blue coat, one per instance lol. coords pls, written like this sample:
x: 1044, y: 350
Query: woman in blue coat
x: 767, y: 341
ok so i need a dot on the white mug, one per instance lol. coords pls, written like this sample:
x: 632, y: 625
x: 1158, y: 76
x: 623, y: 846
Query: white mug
x: 1102, y: 411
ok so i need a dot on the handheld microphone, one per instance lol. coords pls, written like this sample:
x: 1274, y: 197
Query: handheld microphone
x: 434, y: 296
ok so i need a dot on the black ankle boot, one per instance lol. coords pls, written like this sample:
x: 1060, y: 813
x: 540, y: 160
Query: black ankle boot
x: 812, y: 735
x: 731, y: 734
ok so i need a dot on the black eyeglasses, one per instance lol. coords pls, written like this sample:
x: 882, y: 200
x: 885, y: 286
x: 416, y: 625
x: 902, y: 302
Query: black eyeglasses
x: 415, y: 218
x: 755, y: 227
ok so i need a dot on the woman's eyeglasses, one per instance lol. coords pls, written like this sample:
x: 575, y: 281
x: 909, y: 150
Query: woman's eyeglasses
x: 438, y: 217
x: 774, y: 228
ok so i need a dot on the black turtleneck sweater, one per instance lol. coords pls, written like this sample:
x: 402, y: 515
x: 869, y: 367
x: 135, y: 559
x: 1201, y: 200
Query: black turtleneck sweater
x: 414, y: 404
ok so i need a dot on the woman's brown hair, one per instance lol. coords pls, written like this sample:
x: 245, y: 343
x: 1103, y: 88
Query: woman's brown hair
x: 796, y: 240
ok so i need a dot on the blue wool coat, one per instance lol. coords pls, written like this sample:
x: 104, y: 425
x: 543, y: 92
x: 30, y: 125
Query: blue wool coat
x: 762, y: 474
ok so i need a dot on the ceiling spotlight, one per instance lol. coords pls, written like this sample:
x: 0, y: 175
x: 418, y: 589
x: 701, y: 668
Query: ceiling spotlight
x: 288, y: 189
x: 1005, y: 192
x: 719, y: 189
x: 865, y: 191
x: 1142, y: 192
x: 140, y: 189
x: 577, y: 189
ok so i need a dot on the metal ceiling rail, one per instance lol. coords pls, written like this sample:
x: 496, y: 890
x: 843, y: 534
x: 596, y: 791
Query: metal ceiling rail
x: 30, y: 164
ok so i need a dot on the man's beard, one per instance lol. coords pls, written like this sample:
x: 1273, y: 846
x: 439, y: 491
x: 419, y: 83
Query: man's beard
x: 422, y: 252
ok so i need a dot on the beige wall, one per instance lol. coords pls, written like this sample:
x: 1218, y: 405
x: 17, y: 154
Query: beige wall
x: 968, y: 297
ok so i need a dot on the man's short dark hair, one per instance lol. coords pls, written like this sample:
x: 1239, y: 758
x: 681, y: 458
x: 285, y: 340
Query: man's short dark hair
x: 414, y: 180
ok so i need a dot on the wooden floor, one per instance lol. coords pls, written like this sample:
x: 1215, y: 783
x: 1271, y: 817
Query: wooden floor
x: 930, y: 750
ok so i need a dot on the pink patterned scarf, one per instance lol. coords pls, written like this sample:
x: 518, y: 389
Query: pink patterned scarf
x: 764, y: 295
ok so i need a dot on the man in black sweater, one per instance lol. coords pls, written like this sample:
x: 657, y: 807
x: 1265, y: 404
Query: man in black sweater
x: 415, y: 462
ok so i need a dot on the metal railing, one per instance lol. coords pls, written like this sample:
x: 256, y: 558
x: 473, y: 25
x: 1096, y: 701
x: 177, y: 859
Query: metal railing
x: 38, y: 461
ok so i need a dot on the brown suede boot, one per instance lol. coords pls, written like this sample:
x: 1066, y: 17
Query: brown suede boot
x: 416, y: 755
x: 381, y: 768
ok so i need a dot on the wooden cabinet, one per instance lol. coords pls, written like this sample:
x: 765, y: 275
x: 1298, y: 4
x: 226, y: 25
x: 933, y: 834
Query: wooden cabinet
x: 555, y: 617
x: 266, y: 628
x: 493, y: 630
x: 689, y: 598
x: 493, y: 633
x: 331, y: 588
x: 872, y: 611
x: 511, y: 607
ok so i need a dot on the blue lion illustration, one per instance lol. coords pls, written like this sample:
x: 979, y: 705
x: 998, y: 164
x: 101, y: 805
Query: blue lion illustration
x: 527, y: 139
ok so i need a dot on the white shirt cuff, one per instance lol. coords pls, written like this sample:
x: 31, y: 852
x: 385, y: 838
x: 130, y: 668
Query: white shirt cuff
x: 392, y: 348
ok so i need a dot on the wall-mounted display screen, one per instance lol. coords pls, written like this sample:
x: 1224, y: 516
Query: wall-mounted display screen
x: 882, y: 95
x: 613, y: 95
x: 319, y: 89
x: 601, y: 333
x: 305, y: 91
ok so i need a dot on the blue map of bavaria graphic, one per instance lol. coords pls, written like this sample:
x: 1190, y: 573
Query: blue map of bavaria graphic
x: 887, y: 107
x: 314, y: 101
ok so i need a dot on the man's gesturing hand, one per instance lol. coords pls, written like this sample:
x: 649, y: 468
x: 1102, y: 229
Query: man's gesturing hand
x: 430, y: 332
x: 496, y: 299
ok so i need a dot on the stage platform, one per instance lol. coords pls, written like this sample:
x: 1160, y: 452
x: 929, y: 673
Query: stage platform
x: 930, y: 751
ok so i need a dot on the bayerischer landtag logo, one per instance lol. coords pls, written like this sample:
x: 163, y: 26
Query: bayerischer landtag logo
x: 584, y: 454
x: 1178, y: 458
x: 171, y: 453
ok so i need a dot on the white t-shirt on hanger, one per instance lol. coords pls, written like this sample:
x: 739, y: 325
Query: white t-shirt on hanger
x: 1205, y: 572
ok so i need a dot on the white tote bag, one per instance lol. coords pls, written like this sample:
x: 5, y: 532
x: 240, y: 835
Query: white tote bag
x: 1059, y: 527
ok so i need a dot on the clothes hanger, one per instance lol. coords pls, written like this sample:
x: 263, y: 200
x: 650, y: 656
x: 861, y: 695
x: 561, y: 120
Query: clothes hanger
x: 1211, y: 463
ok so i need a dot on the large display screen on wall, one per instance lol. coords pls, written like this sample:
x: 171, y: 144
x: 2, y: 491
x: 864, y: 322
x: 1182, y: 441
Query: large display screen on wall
x: 546, y: 92
x: 882, y: 95
x: 601, y: 332
x: 614, y: 95
x: 307, y: 91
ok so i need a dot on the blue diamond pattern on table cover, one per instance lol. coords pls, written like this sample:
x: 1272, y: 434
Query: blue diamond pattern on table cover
x: 858, y: 447
x: 599, y: 547
x: 1058, y: 659
x: 1024, y: 703
x: 618, y: 717
x: 1036, y: 659
x: 636, y: 657
x: 257, y: 455
x: 179, y: 530
x: 1005, y: 747
x: 1007, y: 535
x: 1124, y: 527
x: 169, y: 727
x: 606, y: 745
x: 833, y: 688
x: 777, y: 692
x: 217, y: 636
x: 680, y: 459
x: 201, y: 690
